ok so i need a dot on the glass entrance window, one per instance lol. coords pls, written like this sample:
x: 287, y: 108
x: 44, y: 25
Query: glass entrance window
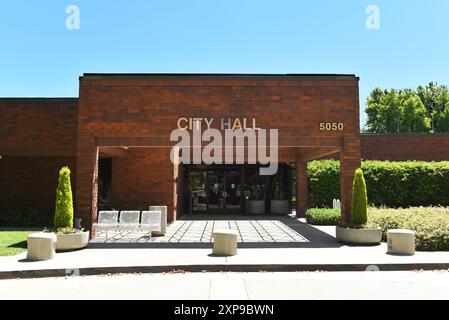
x: 223, y: 188
x: 197, y: 190
x: 216, y: 189
x: 227, y: 188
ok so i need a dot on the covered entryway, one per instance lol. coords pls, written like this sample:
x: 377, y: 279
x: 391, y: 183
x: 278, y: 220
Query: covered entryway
x: 226, y: 189
x: 130, y: 118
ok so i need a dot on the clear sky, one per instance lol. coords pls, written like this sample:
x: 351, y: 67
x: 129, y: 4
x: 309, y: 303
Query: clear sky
x: 39, y: 56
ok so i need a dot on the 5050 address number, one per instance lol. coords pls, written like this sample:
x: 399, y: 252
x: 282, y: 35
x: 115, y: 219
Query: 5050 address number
x: 331, y: 126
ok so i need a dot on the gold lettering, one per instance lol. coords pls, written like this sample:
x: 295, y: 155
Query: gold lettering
x: 226, y: 124
x: 179, y: 123
x: 208, y: 122
x: 237, y: 124
x: 198, y: 123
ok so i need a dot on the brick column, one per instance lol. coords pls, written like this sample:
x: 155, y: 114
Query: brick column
x: 302, y: 189
x: 87, y: 185
x: 349, y: 162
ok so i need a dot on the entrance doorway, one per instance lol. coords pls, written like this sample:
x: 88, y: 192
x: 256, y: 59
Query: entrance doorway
x: 224, y: 189
x: 228, y: 188
x: 214, y: 189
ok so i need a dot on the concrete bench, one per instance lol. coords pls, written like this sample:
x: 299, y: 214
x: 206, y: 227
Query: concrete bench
x: 401, y: 241
x: 41, y: 246
x: 225, y: 242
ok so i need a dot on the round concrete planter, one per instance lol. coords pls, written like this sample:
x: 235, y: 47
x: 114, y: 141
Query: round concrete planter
x: 279, y: 207
x: 255, y: 206
x: 358, y: 236
x: 73, y: 241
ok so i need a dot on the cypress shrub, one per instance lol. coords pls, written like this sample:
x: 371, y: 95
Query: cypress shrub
x: 391, y: 184
x: 359, y: 199
x: 64, y: 200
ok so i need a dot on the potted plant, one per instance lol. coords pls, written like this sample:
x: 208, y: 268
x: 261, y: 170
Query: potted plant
x: 358, y: 231
x: 279, y: 205
x: 255, y: 204
x: 68, y: 238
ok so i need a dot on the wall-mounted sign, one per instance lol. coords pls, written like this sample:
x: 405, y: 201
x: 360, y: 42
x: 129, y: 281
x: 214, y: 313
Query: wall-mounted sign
x: 185, y: 123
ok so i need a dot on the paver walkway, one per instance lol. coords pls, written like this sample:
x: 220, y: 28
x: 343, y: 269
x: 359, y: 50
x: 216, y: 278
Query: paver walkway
x: 200, y: 231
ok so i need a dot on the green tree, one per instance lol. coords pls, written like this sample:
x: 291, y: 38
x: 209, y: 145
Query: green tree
x: 384, y: 111
x: 396, y: 111
x: 442, y: 119
x: 64, y: 200
x: 435, y: 97
x: 359, y: 199
x: 414, y: 115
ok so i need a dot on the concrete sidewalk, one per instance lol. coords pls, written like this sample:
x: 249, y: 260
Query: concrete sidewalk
x: 100, y: 260
x: 428, y: 285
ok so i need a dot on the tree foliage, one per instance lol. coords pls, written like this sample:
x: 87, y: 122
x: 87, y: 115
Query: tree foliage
x: 407, y: 111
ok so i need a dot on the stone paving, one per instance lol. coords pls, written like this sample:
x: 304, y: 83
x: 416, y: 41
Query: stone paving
x: 200, y: 231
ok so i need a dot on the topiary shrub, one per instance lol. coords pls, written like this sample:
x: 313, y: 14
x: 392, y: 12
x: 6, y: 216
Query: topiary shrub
x: 64, y: 200
x: 359, y: 200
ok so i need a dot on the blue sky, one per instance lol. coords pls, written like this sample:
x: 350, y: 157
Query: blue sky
x: 39, y: 56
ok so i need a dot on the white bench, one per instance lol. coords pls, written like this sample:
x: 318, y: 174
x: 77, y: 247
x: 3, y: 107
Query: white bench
x: 129, y: 221
x: 107, y: 220
x: 151, y: 221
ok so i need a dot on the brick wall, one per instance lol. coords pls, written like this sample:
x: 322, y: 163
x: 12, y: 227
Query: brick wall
x: 144, y: 178
x: 405, y: 147
x: 45, y: 126
x: 30, y: 182
x: 37, y: 137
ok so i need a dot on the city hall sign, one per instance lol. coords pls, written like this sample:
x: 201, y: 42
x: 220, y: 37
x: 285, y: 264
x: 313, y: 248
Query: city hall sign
x: 240, y: 135
x: 185, y: 123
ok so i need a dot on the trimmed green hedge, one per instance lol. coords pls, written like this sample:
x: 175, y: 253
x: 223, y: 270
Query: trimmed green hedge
x: 391, y: 184
x: 26, y: 217
x: 431, y: 225
x: 323, y: 217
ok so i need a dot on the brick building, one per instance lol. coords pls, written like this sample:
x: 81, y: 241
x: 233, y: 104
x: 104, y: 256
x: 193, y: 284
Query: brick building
x: 116, y: 139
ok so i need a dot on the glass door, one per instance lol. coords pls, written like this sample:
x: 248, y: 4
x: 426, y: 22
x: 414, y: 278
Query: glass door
x: 223, y: 188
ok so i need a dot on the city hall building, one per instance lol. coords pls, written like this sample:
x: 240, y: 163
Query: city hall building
x: 116, y: 139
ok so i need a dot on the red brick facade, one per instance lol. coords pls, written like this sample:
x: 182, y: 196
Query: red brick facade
x: 130, y: 117
x: 37, y: 138
x: 405, y: 147
x: 117, y: 111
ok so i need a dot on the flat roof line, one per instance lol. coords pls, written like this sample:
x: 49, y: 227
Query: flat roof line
x: 36, y: 98
x: 216, y: 75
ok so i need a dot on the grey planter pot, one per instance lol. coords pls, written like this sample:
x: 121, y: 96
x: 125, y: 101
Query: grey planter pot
x: 358, y: 236
x: 76, y: 241
x: 279, y: 207
x: 255, y: 206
